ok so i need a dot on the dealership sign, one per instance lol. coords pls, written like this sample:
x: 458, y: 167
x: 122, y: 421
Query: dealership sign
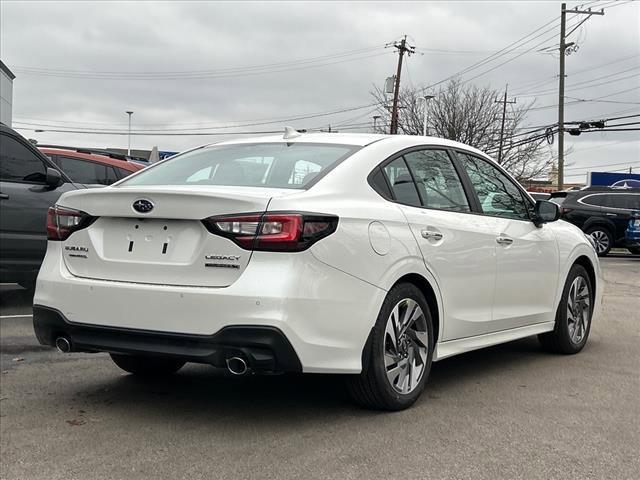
x: 620, y: 180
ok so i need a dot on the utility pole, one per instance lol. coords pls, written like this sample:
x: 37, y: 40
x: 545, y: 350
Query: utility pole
x: 129, y: 136
x: 402, y: 48
x: 563, y: 50
x: 504, y: 114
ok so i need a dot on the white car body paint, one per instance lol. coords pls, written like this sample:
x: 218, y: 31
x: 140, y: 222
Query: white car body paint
x: 325, y: 299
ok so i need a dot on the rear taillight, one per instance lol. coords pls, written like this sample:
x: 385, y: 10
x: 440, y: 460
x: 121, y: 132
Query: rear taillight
x: 273, y: 232
x: 62, y: 222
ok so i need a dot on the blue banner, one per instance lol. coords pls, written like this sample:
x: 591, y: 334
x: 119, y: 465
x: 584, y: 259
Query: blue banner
x: 620, y: 180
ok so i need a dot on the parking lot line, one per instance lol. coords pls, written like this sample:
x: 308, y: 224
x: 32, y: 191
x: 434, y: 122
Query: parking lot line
x: 16, y: 316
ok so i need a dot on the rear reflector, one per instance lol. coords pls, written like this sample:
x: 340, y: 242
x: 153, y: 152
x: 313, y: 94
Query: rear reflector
x: 273, y: 232
x: 62, y: 222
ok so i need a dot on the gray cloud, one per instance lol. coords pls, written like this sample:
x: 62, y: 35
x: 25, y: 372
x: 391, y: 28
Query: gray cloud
x: 189, y: 36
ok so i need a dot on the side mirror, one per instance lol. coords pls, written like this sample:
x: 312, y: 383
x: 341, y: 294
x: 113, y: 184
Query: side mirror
x: 545, y: 212
x: 53, y: 178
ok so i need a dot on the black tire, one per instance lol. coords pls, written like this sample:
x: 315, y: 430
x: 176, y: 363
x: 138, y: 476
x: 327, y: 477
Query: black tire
x: 601, y: 232
x: 634, y: 250
x: 147, y: 366
x: 559, y: 340
x: 372, y: 389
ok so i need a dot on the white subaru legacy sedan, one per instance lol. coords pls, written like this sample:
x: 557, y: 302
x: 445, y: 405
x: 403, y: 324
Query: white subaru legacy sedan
x: 364, y: 255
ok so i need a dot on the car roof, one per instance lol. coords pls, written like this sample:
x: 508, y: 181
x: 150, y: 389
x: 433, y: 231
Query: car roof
x: 355, y: 139
x: 130, y: 166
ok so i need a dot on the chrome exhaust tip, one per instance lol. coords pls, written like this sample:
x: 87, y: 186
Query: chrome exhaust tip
x: 237, y: 366
x: 63, y: 344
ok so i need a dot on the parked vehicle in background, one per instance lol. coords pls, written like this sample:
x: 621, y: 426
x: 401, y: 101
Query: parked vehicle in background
x: 632, y: 234
x: 29, y: 184
x: 90, y: 168
x: 359, y: 254
x: 601, y: 212
x: 540, y: 195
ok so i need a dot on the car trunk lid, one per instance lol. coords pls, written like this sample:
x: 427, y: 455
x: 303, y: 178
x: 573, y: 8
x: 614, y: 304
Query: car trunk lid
x: 167, y: 245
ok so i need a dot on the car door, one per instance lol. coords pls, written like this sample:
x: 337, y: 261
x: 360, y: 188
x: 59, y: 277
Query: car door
x: 527, y: 256
x: 24, y: 199
x: 458, y: 247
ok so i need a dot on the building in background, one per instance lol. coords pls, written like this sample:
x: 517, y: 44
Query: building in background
x: 6, y: 94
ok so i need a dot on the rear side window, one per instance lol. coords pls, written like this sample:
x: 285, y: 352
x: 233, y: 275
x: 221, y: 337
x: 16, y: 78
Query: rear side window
x: 122, y: 172
x: 498, y: 195
x: 83, y: 171
x: 628, y: 201
x: 277, y: 165
x: 111, y: 175
x: 437, y: 180
x: 380, y: 185
x: 18, y: 163
x: 624, y: 201
x: 402, y: 186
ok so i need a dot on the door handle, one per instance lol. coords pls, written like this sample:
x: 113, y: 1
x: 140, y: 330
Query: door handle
x: 504, y: 240
x: 430, y: 235
x: 611, y: 214
x: 4, y: 196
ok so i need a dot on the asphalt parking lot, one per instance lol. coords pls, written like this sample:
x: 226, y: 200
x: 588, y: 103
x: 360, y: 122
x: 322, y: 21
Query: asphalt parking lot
x: 511, y: 411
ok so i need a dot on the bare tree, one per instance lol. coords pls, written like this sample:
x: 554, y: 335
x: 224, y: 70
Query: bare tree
x: 470, y: 114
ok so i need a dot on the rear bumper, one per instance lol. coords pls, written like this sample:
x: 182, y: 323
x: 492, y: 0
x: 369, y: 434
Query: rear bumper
x: 263, y: 348
x: 632, y: 239
x: 324, y: 314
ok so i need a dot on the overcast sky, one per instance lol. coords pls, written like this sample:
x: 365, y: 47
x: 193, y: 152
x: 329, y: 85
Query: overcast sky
x: 181, y: 65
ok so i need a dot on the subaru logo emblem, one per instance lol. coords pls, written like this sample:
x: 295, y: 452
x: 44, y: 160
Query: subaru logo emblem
x: 143, y: 206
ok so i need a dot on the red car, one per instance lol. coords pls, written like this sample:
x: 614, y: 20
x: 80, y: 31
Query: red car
x: 90, y: 168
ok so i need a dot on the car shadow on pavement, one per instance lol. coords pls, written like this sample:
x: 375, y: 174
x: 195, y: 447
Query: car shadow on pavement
x: 212, y: 394
x: 14, y: 297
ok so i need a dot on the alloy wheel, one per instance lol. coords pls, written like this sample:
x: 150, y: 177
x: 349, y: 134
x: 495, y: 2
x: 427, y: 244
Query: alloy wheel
x: 578, y: 309
x: 406, y: 341
x: 601, y: 240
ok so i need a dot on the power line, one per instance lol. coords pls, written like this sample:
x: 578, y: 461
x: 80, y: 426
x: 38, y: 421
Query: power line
x: 586, y: 100
x: 493, y: 56
x: 215, y: 71
x: 219, y: 127
x: 247, y: 71
x: 587, y: 82
x: 543, y: 81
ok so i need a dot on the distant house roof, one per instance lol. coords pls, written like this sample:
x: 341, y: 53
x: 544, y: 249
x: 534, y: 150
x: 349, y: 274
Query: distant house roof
x: 6, y: 70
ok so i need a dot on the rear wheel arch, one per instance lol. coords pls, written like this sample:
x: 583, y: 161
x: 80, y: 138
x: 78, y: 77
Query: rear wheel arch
x: 600, y: 223
x: 584, y: 261
x: 429, y: 294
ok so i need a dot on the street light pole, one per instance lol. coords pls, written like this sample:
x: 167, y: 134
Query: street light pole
x: 375, y: 123
x: 129, y: 146
x: 425, y: 98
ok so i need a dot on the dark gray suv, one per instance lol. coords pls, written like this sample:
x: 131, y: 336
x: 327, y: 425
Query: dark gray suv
x: 29, y: 184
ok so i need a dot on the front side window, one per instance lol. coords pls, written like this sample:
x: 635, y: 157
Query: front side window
x: 276, y: 165
x: 402, y: 186
x: 83, y: 171
x: 498, y: 195
x: 598, y: 200
x: 437, y: 180
x: 19, y: 164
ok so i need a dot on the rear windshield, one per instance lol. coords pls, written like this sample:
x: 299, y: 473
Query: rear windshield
x: 276, y: 165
